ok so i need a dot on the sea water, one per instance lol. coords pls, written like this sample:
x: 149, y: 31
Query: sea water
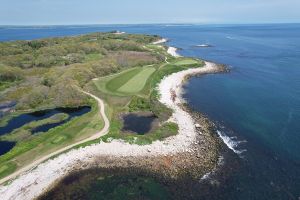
x: 256, y: 105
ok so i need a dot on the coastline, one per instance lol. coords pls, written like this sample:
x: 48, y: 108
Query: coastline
x: 161, y: 41
x: 173, y: 52
x: 184, y: 149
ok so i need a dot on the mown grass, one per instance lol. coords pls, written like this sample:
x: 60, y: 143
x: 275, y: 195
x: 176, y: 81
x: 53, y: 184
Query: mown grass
x: 127, y: 83
x: 114, y: 84
x: 138, y: 82
x: 186, y: 62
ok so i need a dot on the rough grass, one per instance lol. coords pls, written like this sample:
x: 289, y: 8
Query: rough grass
x: 162, y: 132
x: 93, y: 57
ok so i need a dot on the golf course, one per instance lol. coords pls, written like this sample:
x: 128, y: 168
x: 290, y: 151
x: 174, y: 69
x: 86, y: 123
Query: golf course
x: 122, y: 70
x: 126, y: 83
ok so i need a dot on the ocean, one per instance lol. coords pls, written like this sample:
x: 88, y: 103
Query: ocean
x: 256, y: 105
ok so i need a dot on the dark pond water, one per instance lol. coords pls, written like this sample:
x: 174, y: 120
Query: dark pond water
x: 72, y: 112
x: 6, y: 107
x: 140, y: 124
x: 23, y: 119
x: 6, y: 147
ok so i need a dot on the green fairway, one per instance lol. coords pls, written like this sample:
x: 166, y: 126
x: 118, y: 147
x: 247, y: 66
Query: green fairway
x: 186, y: 62
x: 126, y: 83
x: 138, y: 82
x: 117, y: 82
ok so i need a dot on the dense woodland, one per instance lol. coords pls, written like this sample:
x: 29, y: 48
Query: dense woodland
x: 47, y: 72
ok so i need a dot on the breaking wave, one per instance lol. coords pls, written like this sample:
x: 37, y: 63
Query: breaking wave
x: 231, y: 142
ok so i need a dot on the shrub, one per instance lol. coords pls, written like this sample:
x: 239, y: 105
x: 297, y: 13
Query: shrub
x: 10, y: 74
x: 139, y: 103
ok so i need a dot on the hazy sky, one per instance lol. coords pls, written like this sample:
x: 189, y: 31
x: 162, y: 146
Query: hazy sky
x: 45, y: 12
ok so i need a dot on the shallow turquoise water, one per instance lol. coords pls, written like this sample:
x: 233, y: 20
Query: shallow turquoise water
x: 257, y: 104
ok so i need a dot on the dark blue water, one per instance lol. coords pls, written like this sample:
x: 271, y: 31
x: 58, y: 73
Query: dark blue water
x: 257, y: 102
x: 72, y: 112
x: 137, y: 123
x: 23, y: 119
x: 6, y: 147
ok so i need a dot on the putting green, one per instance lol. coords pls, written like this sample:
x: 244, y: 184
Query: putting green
x: 138, y: 82
x: 186, y: 62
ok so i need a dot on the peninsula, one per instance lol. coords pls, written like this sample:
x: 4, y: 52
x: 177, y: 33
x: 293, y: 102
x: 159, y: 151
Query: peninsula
x: 121, y: 78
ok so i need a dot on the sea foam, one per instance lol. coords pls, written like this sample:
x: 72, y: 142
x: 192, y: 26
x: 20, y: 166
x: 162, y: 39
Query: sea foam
x: 231, y: 142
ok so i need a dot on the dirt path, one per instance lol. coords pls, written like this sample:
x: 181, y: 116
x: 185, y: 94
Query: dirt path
x: 104, y: 131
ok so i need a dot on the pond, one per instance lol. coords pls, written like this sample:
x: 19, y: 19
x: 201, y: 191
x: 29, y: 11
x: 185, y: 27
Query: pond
x: 6, y: 147
x: 72, y: 112
x: 23, y: 119
x: 140, y: 123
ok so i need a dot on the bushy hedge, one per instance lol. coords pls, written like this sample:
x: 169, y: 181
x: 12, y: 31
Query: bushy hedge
x: 10, y: 74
